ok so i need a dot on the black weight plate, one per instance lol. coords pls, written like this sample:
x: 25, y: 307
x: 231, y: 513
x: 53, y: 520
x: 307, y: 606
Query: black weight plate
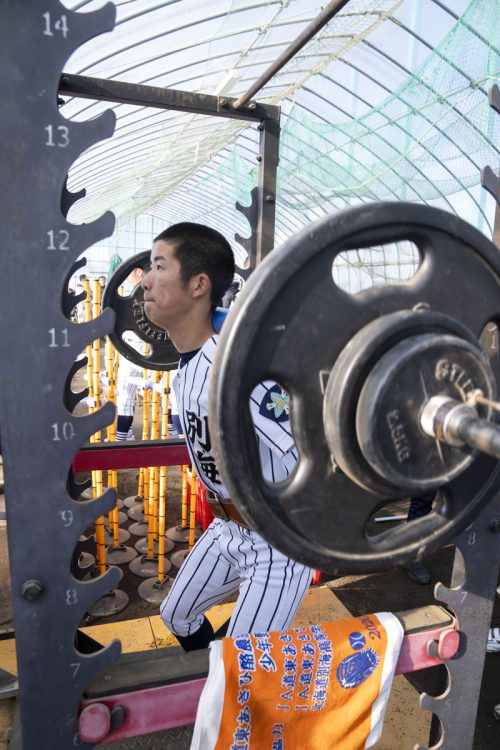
x: 392, y: 400
x: 290, y: 323
x: 348, y: 376
x: 130, y: 316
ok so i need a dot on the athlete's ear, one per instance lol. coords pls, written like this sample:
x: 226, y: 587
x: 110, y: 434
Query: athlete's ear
x: 200, y: 285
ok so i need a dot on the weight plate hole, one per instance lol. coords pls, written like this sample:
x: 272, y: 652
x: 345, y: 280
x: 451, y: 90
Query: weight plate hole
x: 388, y: 516
x: 131, y: 339
x: 398, y: 512
x: 359, y: 269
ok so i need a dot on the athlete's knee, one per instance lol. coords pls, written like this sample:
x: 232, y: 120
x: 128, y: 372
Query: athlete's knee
x: 167, y: 613
x: 177, y: 620
x: 193, y: 632
x: 200, y: 638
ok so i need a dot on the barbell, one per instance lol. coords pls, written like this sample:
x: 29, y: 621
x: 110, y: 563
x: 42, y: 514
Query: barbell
x: 390, y: 390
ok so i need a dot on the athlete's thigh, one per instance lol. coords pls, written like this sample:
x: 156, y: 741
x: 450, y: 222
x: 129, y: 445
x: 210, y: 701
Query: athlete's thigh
x: 204, y: 579
x: 271, y: 590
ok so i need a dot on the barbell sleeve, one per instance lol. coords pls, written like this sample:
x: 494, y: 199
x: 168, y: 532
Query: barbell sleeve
x: 457, y: 424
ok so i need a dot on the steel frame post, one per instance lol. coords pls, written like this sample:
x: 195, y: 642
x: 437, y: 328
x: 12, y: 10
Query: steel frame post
x: 470, y: 597
x: 268, y: 160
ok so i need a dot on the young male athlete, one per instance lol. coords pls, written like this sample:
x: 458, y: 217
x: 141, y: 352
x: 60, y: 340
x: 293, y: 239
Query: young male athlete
x: 191, y: 267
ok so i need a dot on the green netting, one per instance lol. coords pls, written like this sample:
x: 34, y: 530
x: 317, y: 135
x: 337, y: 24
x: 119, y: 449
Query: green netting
x: 429, y: 139
x: 114, y: 263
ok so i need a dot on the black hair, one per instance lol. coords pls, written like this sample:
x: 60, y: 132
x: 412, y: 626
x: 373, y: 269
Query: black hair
x: 201, y: 249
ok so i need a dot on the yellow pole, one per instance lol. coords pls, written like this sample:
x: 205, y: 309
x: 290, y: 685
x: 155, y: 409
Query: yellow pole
x: 162, y: 494
x: 87, y: 315
x: 111, y: 435
x: 156, y: 487
x: 90, y: 378
x: 116, y: 362
x: 96, y: 371
x: 99, y: 527
x: 96, y: 355
x: 156, y: 436
x: 93, y: 385
x: 109, y: 355
x: 146, y: 495
x: 140, y: 486
x: 184, y: 497
x: 143, y: 479
x: 192, y: 508
x: 145, y: 436
x: 116, y: 359
x: 153, y: 471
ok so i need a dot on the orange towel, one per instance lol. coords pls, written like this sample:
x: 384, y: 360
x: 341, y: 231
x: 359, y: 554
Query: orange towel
x: 314, y: 688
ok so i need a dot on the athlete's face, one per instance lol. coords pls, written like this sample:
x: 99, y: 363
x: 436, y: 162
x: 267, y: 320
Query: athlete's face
x: 166, y: 298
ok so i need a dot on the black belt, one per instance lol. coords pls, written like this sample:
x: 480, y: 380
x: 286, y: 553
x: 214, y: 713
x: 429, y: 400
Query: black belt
x: 225, y: 509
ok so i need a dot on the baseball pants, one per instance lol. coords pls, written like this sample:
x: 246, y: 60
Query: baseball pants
x: 126, y: 391
x: 228, y: 557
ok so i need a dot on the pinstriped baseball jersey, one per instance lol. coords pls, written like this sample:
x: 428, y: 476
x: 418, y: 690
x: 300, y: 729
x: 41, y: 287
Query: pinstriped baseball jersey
x: 269, y: 409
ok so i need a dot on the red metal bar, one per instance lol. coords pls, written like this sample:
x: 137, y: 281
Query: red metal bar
x: 96, y: 456
x: 165, y: 707
x: 417, y: 649
x: 145, y: 711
